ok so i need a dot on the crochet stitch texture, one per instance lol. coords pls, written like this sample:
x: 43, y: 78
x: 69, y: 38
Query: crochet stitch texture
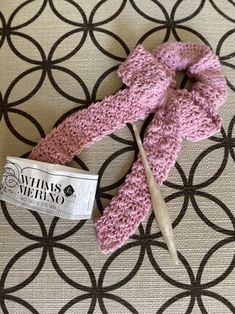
x: 179, y: 114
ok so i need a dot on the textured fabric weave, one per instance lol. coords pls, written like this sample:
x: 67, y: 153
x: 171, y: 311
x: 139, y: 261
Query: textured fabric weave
x: 149, y: 79
x: 56, y: 58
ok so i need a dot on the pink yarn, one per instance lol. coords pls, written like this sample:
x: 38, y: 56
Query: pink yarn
x: 179, y: 114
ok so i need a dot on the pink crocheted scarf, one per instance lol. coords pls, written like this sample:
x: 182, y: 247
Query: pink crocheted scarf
x: 179, y: 115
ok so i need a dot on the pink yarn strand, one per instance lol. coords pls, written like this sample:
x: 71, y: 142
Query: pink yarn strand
x: 179, y: 114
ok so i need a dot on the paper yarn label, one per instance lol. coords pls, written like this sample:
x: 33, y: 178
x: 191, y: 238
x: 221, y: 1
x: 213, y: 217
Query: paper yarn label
x: 48, y: 188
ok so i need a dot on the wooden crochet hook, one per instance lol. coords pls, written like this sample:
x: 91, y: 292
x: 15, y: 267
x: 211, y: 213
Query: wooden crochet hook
x: 159, y: 206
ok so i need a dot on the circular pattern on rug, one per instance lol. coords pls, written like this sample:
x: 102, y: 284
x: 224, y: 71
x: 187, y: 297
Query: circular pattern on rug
x: 191, y: 192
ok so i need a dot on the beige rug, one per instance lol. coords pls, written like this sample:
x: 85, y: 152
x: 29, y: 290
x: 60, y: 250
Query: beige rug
x: 57, y: 56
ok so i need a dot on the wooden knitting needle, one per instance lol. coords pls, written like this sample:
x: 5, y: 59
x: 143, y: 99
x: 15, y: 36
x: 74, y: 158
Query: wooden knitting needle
x: 159, y: 206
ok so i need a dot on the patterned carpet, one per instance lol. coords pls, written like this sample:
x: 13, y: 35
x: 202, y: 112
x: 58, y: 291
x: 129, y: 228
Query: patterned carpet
x: 58, y: 56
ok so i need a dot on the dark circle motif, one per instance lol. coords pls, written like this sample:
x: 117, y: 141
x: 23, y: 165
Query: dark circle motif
x: 145, y: 241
